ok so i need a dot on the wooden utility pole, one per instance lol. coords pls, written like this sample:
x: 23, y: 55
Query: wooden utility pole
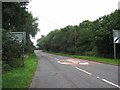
x: 75, y: 37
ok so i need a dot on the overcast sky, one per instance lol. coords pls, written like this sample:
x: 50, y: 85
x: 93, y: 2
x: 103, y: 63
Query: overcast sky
x: 56, y: 14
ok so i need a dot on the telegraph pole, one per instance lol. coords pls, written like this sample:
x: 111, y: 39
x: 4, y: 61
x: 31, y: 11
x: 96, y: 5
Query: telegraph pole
x: 75, y: 38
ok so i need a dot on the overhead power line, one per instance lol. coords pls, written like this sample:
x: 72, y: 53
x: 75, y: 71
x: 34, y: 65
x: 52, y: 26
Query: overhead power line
x: 49, y: 20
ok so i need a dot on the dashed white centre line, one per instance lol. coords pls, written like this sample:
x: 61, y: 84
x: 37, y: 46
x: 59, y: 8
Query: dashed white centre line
x: 91, y: 74
x: 83, y: 71
x: 110, y: 83
x: 99, y: 77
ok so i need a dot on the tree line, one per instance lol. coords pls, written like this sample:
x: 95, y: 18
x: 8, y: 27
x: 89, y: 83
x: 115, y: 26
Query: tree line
x: 16, y: 18
x: 94, y: 38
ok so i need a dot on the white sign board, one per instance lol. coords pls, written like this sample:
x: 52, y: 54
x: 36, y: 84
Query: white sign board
x: 116, y: 36
x: 20, y: 36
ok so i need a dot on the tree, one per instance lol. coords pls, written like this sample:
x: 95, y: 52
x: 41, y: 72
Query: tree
x: 104, y: 33
x: 89, y: 38
x: 16, y: 18
x: 11, y: 50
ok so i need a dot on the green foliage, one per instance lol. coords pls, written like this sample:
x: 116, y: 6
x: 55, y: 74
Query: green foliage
x: 85, y: 34
x: 103, y: 34
x: 20, y: 77
x: 90, y: 53
x: 89, y: 38
x: 98, y: 59
x: 16, y: 18
x: 11, y: 49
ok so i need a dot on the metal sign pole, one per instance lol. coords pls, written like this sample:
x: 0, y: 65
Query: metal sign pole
x: 114, y: 50
x: 22, y: 56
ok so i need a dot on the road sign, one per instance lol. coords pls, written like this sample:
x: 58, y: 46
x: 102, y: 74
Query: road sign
x: 116, y: 36
x: 116, y: 40
x: 20, y: 36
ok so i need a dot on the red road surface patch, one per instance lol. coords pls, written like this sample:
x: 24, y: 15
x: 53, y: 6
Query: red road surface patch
x: 76, y: 62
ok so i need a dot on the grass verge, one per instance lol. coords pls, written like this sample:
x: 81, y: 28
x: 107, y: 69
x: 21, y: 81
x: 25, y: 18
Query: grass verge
x: 92, y: 58
x: 21, y: 77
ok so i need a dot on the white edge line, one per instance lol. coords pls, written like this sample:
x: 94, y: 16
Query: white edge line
x: 111, y: 83
x: 83, y: 71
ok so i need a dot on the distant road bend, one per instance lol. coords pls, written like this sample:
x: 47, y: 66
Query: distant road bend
x: 54, y: 71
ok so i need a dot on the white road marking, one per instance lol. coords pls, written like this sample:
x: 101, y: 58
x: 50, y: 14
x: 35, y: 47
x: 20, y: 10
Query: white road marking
x: 83, y: 63
x: 83, y: 71
x: 63, y: 62
x: 89, y: 72
x: 59, y: 62
x: 98, y: 77
x: 110, y: 83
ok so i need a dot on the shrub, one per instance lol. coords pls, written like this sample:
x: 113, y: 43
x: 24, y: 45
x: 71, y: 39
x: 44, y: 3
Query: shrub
x: 90, y: 53
x: 11, y: 49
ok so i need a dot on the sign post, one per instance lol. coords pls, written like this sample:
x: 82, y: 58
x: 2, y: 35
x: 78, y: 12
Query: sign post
x: 21, y: 37
x: 116, y: 40
x: 114, y: 51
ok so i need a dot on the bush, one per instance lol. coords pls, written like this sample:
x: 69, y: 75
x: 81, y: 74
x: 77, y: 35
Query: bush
x: 11, y: 50
x: 90, y: 53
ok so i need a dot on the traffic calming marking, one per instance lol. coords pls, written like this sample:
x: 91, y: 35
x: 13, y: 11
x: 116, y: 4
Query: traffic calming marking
x: 86, y: 63
x: 63, y: 62
x: 89, y: 72
x: 72, y: 61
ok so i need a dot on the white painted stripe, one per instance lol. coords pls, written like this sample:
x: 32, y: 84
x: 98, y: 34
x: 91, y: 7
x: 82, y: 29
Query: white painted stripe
x: 83, y: 71
x: 59, y: 62
x: 83, y: 63
x: 98, y: 77
x: 111, y: 83
x: 63, y: 62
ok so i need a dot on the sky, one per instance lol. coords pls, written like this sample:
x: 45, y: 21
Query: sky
x: 56, y: 14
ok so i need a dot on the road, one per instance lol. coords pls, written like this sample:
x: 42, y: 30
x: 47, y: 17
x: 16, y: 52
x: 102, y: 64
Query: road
x: 54, y: 71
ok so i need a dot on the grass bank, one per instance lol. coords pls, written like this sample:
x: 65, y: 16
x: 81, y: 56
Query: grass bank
x: 21, y: 77
x: 92, y: 58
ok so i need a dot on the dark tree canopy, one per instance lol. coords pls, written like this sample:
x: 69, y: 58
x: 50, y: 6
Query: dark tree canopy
x: 16, y: 18
x: 89, y: 38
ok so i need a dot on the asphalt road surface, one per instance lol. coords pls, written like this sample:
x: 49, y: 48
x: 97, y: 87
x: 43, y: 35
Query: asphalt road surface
x: 54, y: 71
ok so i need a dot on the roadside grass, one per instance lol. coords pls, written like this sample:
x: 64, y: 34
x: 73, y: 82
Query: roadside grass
x: 20, y: 77
x: 98, y: 59
x: 92, y: 58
